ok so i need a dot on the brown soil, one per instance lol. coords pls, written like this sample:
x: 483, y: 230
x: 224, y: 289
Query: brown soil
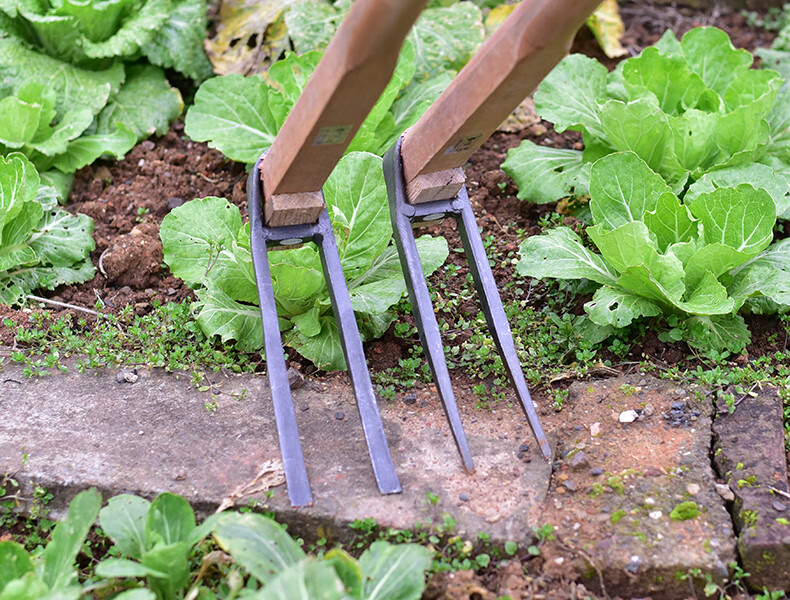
x: 128, y: 199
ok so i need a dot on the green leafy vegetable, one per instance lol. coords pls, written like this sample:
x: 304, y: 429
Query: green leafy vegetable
x: 206, y: 244
x: 699, y: 261
x: 41, y: 245
x: 50, y: 574
x: 169, y: 32
x: 263, y: 548
x: 693, y: 110
x: 65, y: 117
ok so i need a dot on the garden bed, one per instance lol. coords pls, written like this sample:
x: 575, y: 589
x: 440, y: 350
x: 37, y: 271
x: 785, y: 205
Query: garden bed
x: 128, y: 200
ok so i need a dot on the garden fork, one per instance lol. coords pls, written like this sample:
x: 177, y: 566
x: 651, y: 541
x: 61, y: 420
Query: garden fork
x: 426, y: 184
x: 287, y: 208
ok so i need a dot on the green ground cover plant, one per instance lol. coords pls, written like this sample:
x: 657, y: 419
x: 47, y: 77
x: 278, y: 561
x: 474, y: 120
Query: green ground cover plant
x: 699, y: 261
x: 41, y: 245
x: 695, y: 112
x: 206, y: 245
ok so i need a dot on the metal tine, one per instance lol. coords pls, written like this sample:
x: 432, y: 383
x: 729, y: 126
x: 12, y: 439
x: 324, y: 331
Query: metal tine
x: 322, y: 235
x: 284, y: 415
x: 401, y: 214
x: 498, y: 325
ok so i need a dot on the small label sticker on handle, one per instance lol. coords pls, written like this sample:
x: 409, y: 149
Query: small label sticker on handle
x: 332, y: 135
x: 463, y: 144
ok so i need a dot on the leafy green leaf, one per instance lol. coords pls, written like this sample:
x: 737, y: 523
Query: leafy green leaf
x: 73, y: 86
x: 179, y: 42
x: 623, y: 189
x: 394, y: 572
x: 232, y: 114
x: 170, y: 559
x: 14, y: 562
x: 67, y: 539
x: 146, y: 104
x: 570, y: 94
x: 741, y: 218
x: 712, y: 56
x: 560, y: 253
x: 311, y: 25
x: 618, y: 308
x: 717, y: 333
x: 123, y: 567
x: 445, y: 38
x: 123, y: 519
x: 755, y: 174
x: 259, y: 544
x: 195, y: 233
x: 545, y: 174
x: 767, y: 274
x: 347, y: 569
x: 86, y: 149
x: 220, y: 315
x: 306, y: 580
x: 169, y: 518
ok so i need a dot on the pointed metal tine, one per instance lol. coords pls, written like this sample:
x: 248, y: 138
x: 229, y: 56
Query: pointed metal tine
x: 284, y: 414
x: 383, y: 467
x: 420, y: 298
x: 486, y: 287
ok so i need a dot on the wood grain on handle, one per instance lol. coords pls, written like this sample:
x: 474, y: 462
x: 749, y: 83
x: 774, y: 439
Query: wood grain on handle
x: 531, y: 41
x: 345, y: 85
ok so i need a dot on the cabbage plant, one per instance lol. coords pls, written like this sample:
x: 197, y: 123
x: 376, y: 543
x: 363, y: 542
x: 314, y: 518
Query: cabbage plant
x: 694, y: 263
x: 692, y: 110
x: 206, y: 245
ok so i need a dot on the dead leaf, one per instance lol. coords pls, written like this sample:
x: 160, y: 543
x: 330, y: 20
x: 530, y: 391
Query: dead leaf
x: 608, y: 28
x: 497, y: 16
x: 523, y: 117
x: 251, y: 35
x: 270, y: 475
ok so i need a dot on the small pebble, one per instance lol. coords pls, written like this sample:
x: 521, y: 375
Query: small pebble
x: 295, y: 378
x: 579, y: 460
x: 693, y: 489
x: 126, y: 376
x: 304, y: 407
x: 596, y: 471
x: 649, y: 410
x: 577, y: 428
x: 725, y: 492
x: 779, y: 506
x: 141, y: 432
x: 628, y: 416
x: 595, y: 429
x: 569, y: 485
x: 656, y: 514
x: 678, y: 405
x: 463, y: 497
x: 340, y: 415
x: 148, y: 145
x: 174, y: 202
x: 650, y: 501
x: 410, y: 399
x: 523, y: 448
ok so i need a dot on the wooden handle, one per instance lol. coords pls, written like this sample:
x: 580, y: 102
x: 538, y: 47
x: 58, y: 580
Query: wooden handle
x: 348, y: 81
x: 509, y: 66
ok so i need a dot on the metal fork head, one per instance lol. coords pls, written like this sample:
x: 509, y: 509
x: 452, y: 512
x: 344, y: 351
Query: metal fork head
x: 405, y: 217
x: 264, y: 237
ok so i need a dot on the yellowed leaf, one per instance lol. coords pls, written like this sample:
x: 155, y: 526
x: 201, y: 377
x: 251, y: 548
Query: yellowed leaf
x: 251, y: 35
x: 497, y: 16
x: 608, y: 28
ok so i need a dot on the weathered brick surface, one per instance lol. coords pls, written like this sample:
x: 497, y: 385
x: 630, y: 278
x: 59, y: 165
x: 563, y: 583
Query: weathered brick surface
x: 750, y: 455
